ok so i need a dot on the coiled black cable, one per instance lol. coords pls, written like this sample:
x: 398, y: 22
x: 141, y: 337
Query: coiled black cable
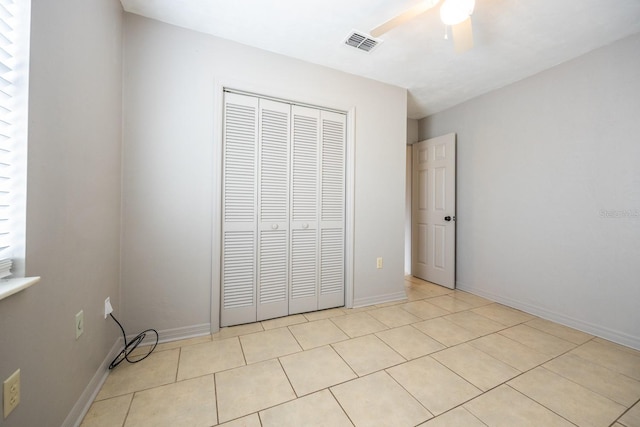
x: 131, y: 346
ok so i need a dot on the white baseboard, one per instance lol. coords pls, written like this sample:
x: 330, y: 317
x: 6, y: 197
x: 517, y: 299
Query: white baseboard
x: 90, y: 392
x: 581, y: 325
x: 175, y: 334
x: 379, y: 299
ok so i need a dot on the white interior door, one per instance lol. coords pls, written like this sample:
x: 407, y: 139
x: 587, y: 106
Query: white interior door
x: 433, y: 210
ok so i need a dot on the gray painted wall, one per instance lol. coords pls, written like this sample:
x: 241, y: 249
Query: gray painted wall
x: 73, y: 209
x: 168, y: 168
x: 539, y: 162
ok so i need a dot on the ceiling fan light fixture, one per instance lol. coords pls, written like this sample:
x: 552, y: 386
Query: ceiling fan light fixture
x: 453, y: 12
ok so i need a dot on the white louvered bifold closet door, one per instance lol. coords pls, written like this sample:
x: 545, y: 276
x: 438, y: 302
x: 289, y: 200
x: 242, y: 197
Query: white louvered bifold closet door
x: 283, y: 202
x: 332, y: 209
x: 304, y: 209
x: 239, y: 210
x: 273, y: 209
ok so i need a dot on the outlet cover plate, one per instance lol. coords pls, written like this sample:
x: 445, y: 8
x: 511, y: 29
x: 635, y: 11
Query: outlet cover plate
x: 108, y: 309
x: 11, y: 392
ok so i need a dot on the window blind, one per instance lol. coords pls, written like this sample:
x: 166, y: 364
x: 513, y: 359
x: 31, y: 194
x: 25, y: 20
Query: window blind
x: 10, y: 118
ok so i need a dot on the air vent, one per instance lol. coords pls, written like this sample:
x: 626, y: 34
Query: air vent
x: 362, y: 41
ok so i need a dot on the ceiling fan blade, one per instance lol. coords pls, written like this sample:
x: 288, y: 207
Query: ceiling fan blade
x: 408, y: 15
x: 462, y: 36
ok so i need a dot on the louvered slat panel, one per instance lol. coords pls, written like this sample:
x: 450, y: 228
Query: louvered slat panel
x: 274, y: 168
x: 240, y: 163
x: 332, y: 261
x: 305, y: 209
x: 273, y: 205
x: 332, y: 206
x: 303, y: 263
x: 238, y: 269
x: 305, y: 168
x: 332, y: 192
x: 273, y: 266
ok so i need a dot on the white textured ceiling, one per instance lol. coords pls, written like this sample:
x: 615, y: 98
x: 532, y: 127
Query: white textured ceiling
x: 513, y: 38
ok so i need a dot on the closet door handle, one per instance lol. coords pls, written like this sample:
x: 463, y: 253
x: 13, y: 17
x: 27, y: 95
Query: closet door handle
x: 274, y: 226
x: 305, y: 225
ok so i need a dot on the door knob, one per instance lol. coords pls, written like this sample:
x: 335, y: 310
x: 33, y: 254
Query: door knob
x: 447, y: 218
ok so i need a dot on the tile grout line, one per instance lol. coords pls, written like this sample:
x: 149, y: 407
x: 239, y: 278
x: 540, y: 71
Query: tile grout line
x: 284, y: 371
x: 128, y: 410
x: 215, y: 397
x: 297, y: 342
x: 409, y: 393
x: 242, y: 350
x: 531, y: 369
x: 461, y: 406
x: 340, y: 404
x: 539, y: 403
x: 484, y: 392
x: 617, y: 420
x: 178, y: 365
x: 583, y: 386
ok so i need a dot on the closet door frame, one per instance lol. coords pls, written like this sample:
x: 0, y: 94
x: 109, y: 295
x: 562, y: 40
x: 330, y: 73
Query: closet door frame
x: 217, y: 179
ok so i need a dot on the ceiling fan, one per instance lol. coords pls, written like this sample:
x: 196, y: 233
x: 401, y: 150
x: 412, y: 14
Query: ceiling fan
x: 454, y: 13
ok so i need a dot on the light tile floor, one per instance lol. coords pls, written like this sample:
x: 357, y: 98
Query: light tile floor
x: 440, y: 358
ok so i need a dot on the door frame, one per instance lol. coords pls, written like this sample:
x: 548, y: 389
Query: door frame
x: 216, y: 207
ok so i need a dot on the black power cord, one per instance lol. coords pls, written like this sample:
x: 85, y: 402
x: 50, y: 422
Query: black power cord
x: 131, y: 346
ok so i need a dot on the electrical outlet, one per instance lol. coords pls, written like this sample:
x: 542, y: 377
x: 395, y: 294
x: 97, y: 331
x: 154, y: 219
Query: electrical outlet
x: 11, y: 393
x: 379, y: 263
x: 79, y: 324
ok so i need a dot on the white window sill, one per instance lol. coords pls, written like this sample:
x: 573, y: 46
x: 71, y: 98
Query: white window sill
x: 11, y: 286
